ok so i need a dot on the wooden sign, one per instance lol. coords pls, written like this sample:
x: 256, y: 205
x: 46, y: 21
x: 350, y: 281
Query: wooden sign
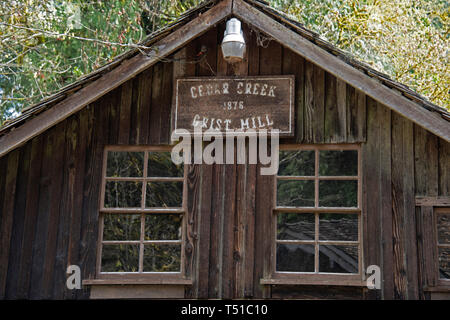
x: 232, y: 103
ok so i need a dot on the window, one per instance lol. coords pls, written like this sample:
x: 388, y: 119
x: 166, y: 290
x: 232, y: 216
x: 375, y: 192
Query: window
x: 443, y: 244
x: 141, y: 214
x: 318, y: 213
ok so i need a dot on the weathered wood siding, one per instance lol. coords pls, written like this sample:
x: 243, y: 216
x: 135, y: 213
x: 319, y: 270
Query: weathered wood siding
x: 49, y: 188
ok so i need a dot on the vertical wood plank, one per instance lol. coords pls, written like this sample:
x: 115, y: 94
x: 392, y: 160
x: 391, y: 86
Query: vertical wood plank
x: 371, y: 193
x: 426, y: 151
x: 126, y: 91
x: 165, y: 102
x: 216, y: 232
x: 228, y: 231
x: 341, y: 101
x: 319, y: 104
x: 384, y: 116
x: 97, y: 125
x: 295, y: 65
x: 404, y: 225
x: 204, y: 231
x: 147, y: 134
x: 309, y: 102
x: 42, y: 225
x: 427, y: 246
x: 191, y: 240
x: 18, y: 222
x: 56, y: 183
x: 31, y: 214
x: 331, y: 126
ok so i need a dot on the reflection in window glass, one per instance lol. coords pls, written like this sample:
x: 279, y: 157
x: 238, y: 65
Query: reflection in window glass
x: 125, y: 164
x: 296, y: 163
x: 295, y: 257
x: 313, y: 237
x: 338, y: 162
x: 338, y: 259
x: 295, y: 226
x: 160, y: 164
x: 137, y: 235
x: 162, y: 258
x: 123, y: 194
x: 118, y: 227
x: 120, y: 258
x: 297, y: 193
x: 338, y: 193
x: 443, y: 226
x: 163, y: 227
x: 164, y: 194
x: 444, y: 263
x: 338, y: 227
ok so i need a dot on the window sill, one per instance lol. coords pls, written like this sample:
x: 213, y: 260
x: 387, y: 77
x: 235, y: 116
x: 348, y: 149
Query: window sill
x: 293, y: 281
x: 96, y: 282
x: 137, y: 288
x: 437, y: 289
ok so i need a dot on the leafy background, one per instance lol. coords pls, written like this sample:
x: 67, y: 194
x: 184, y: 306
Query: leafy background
x: 44, y: 47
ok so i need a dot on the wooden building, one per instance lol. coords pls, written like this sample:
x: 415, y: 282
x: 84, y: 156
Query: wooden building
x: 230, y: 232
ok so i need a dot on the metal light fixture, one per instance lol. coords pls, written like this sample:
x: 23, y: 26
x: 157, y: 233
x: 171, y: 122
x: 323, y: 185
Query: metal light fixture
x: 233, y: 44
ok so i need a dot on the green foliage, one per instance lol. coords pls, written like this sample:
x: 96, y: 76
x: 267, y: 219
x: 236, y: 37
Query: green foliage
x: 407, y: 39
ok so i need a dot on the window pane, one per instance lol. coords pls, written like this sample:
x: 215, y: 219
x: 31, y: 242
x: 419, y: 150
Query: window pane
x: 296, y: 163
x: 123, y: 194
x: 295, y: 226
x: 163, y: 227
x: 443, y: 223
x: 299, y: 193
x: 338, y: 227
x: 295, y: 257
x: 338, y: 163
x: 125, y: 164
x: 164, y: 194
x: 338, y: 193
x: 338, y: 259
x: 120, y: 258
x: 444, y: 263
x: 121, y: 227
x: 162, y: 258
x: 160, y: 165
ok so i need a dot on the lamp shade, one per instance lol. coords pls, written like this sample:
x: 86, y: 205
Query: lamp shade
x: 233, y: 44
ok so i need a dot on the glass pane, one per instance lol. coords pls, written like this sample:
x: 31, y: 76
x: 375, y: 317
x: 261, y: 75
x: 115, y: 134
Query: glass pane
x: 444, y: 263
x: 164, y: 194
x: 160, y: 165
x: 338, y: 163
x: 338, y: 227
x: 338, y: 259
x: 121, y: 227
x: 163, y: 227
x: 125, y: 164
x: 295, y: 226
x: 296, y: 163
x: 162, y: 258
x: 298, y: 193
x: 338, y: 193
x: 123, y: 194
x: 443, y: 223
x: 120, y: 258
x: 295, y: 257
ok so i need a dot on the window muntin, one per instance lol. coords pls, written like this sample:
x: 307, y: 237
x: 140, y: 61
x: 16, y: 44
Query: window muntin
x: 443, y: 242
x: 141, y: 213
x: 318, y: 211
